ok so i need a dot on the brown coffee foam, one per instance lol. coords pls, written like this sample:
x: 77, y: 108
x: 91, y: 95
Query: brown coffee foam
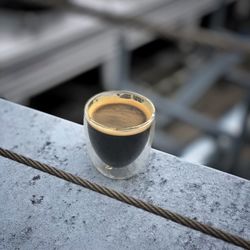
x: 119, y: 115
x: 107, y: 100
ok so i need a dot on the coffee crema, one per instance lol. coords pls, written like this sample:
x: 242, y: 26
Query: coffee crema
x: 118, y: 116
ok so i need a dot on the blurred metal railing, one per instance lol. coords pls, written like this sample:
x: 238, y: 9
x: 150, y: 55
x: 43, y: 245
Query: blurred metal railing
x: 224, y: 41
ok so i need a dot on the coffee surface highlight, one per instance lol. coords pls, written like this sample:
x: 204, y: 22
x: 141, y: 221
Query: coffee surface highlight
x: 119, y: 116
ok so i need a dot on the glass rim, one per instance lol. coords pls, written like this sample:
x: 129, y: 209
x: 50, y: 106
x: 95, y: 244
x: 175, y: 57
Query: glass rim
x: 141, y: 126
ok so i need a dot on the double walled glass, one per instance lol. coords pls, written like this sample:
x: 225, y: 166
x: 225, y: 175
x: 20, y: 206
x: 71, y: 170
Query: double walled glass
x: 119, y: 153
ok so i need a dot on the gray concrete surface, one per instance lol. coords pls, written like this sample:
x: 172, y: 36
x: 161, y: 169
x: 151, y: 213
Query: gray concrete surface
x: 38, y: 211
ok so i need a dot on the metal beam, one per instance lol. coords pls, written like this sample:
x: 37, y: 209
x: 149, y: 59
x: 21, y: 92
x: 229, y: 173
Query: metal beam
x: 238, y: 76
x: 205, y: 77
x: 166, y: 143
x: 180, y: 112
x: 219, y: 40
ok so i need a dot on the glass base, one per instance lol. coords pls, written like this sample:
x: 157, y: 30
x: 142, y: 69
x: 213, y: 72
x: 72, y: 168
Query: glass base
x: 117, y: 173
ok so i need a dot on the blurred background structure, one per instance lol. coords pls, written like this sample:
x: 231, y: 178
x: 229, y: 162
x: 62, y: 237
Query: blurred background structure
x: 55, y: 56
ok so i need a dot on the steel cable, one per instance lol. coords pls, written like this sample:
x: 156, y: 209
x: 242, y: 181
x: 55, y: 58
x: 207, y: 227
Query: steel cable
x: 167, y: 214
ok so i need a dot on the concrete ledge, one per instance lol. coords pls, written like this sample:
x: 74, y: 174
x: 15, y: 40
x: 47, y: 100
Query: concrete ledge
x: 38, y: 211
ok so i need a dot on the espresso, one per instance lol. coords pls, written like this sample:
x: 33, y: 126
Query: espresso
x: 117, y: 151
x: 115, y: 132
x: 119, y: 116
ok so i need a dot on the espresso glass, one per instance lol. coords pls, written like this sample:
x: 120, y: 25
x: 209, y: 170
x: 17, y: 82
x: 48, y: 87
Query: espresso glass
x: 119, y: 153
